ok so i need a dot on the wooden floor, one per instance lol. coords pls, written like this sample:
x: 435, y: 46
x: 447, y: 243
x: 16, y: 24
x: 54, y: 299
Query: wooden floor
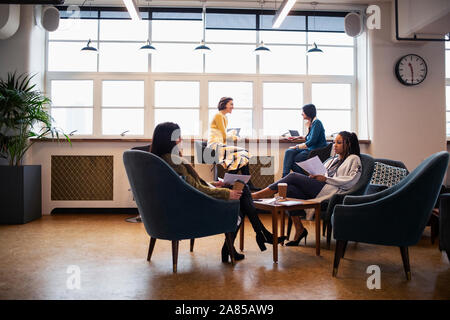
x: 111, y: 255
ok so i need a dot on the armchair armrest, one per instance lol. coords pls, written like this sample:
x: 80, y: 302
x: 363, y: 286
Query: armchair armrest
x: 374, y: 188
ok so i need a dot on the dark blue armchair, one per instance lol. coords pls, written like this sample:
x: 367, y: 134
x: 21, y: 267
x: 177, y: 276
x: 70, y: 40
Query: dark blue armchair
x: 394, y: 217
x: 444, y: 224
x: 170, y: 208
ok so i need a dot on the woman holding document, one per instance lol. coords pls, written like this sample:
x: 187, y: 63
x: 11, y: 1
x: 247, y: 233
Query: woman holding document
x: 314, y: 139
x: 342, y: 172
x: 166, y: 139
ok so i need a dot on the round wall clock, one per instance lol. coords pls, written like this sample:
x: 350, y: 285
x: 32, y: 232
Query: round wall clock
x: 411, y: 70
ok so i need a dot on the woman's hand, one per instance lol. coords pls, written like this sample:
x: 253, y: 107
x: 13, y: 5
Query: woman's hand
x: 318, y: 177
x: 302, y: 146
x: 218, y: 184
x: 235, y: 194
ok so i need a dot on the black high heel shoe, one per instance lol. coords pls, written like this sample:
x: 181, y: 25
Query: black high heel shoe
x: 226, y: 254
x: 266, y: 237
x: 296, y: 242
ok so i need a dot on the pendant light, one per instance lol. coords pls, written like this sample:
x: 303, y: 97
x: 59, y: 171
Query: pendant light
x: 148, y: 48
x: 88, y: 49
x: 314, y: 49
x: 203, y: 48
x: 261, y: 49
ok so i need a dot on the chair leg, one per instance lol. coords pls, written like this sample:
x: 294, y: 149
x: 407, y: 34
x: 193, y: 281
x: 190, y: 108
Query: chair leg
x: 338, y: 253
x: 405, y: 258
x: 324, y: 228
x: 175, y: 255
x: 150, y: 248
x: 343, y: 250
x: 192, y: 245
x: 289, y: 227
x: 434, y: 223
x: 229, y: 241
x: 329, y: 230
x: 241, y: 235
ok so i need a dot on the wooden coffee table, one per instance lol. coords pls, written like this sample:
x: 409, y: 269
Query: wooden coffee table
x: 278, y: 210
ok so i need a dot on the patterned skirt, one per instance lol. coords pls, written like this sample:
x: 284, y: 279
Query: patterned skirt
x: 230, y: 157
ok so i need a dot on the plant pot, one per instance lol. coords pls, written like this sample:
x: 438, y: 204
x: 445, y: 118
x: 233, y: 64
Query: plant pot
x: 20, y: 194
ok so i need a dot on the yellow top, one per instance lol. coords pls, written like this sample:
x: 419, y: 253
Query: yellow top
x: 218, y: 129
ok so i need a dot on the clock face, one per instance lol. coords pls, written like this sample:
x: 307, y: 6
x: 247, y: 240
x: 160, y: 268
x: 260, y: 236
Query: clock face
x: 411, y: 70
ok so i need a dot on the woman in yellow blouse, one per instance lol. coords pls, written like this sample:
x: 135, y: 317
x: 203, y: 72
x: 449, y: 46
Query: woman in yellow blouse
x: 232, y: 158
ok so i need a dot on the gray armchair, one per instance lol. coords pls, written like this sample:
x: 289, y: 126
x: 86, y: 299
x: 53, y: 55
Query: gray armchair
x: 171, y: 209
x: 396, y: 216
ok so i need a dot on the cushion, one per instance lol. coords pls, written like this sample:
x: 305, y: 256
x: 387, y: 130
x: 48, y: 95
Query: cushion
x: 386, y: 175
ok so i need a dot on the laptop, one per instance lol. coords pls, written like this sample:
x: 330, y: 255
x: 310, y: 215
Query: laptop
x: 236, y: 129
x: 294, y: 133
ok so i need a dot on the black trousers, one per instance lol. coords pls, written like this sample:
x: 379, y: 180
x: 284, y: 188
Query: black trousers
x: 248, y: 209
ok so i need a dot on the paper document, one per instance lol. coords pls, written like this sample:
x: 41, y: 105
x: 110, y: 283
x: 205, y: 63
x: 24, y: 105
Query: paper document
x: 279, y: 201
x: 313, y: 166
x: 230, y: 178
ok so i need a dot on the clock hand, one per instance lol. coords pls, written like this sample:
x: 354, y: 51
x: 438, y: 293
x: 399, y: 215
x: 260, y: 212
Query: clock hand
x: 412, y: 73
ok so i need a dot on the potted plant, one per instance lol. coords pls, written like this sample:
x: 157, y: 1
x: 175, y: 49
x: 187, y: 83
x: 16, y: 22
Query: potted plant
x: 22, y: 116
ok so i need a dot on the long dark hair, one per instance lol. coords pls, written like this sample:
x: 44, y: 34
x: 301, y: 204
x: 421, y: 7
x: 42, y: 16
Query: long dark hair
x: 351, y: 144
x: 223, y: 103
x: 164, y: 138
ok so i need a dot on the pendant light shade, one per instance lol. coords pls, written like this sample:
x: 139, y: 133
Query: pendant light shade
x: 261, y: 49
x: 202, y: 48
x: 89, y: 49
x: 147, y: 48
x: 314, y: 49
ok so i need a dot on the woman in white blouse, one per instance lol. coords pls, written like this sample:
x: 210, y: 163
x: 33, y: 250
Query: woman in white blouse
x: 343, y: 172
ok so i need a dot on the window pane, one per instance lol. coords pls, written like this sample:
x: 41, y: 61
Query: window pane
x: 334, y: 61
x: 237, y: 119
x: 447, y: 97
x: 231, y: 59
x: 187, y: 119
x: 330, y: 38
x: 176, y: 58
x: 67, y: 56
x: 241, y: 92
x: 230, y: 36
x: 177, y: 94
x: 71, y: 119
x: 331, y: 95
x: 123, y: 93
x: 68, y: 93
x: 283, y: 95
x: 122, y: 57
x: 172, y: 30
x: 284, y: 60
x: 287, y: 37
x: 116, y: 121
x: 278, y: 122
x: 447, y: 63
x: 75, y: 29
x: 335, y: 121
x: 124, y: 30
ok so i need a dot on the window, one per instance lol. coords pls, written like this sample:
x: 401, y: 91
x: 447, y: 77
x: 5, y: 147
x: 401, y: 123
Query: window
x: 72, y: 105
x: 123, y: 107
x: 123, y: 90
x: 333, y: 104
x: 242, y: 94
x: 282, y: 104
x: 179, y: 102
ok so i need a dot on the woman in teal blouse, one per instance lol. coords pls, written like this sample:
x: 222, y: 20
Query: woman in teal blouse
x: 314, y: 139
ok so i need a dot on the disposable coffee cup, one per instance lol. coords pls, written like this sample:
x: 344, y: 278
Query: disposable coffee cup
x: 282, y: 190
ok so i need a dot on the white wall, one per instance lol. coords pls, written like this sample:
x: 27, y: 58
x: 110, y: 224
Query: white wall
x: 25, y: 50
x: 407, y: 123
